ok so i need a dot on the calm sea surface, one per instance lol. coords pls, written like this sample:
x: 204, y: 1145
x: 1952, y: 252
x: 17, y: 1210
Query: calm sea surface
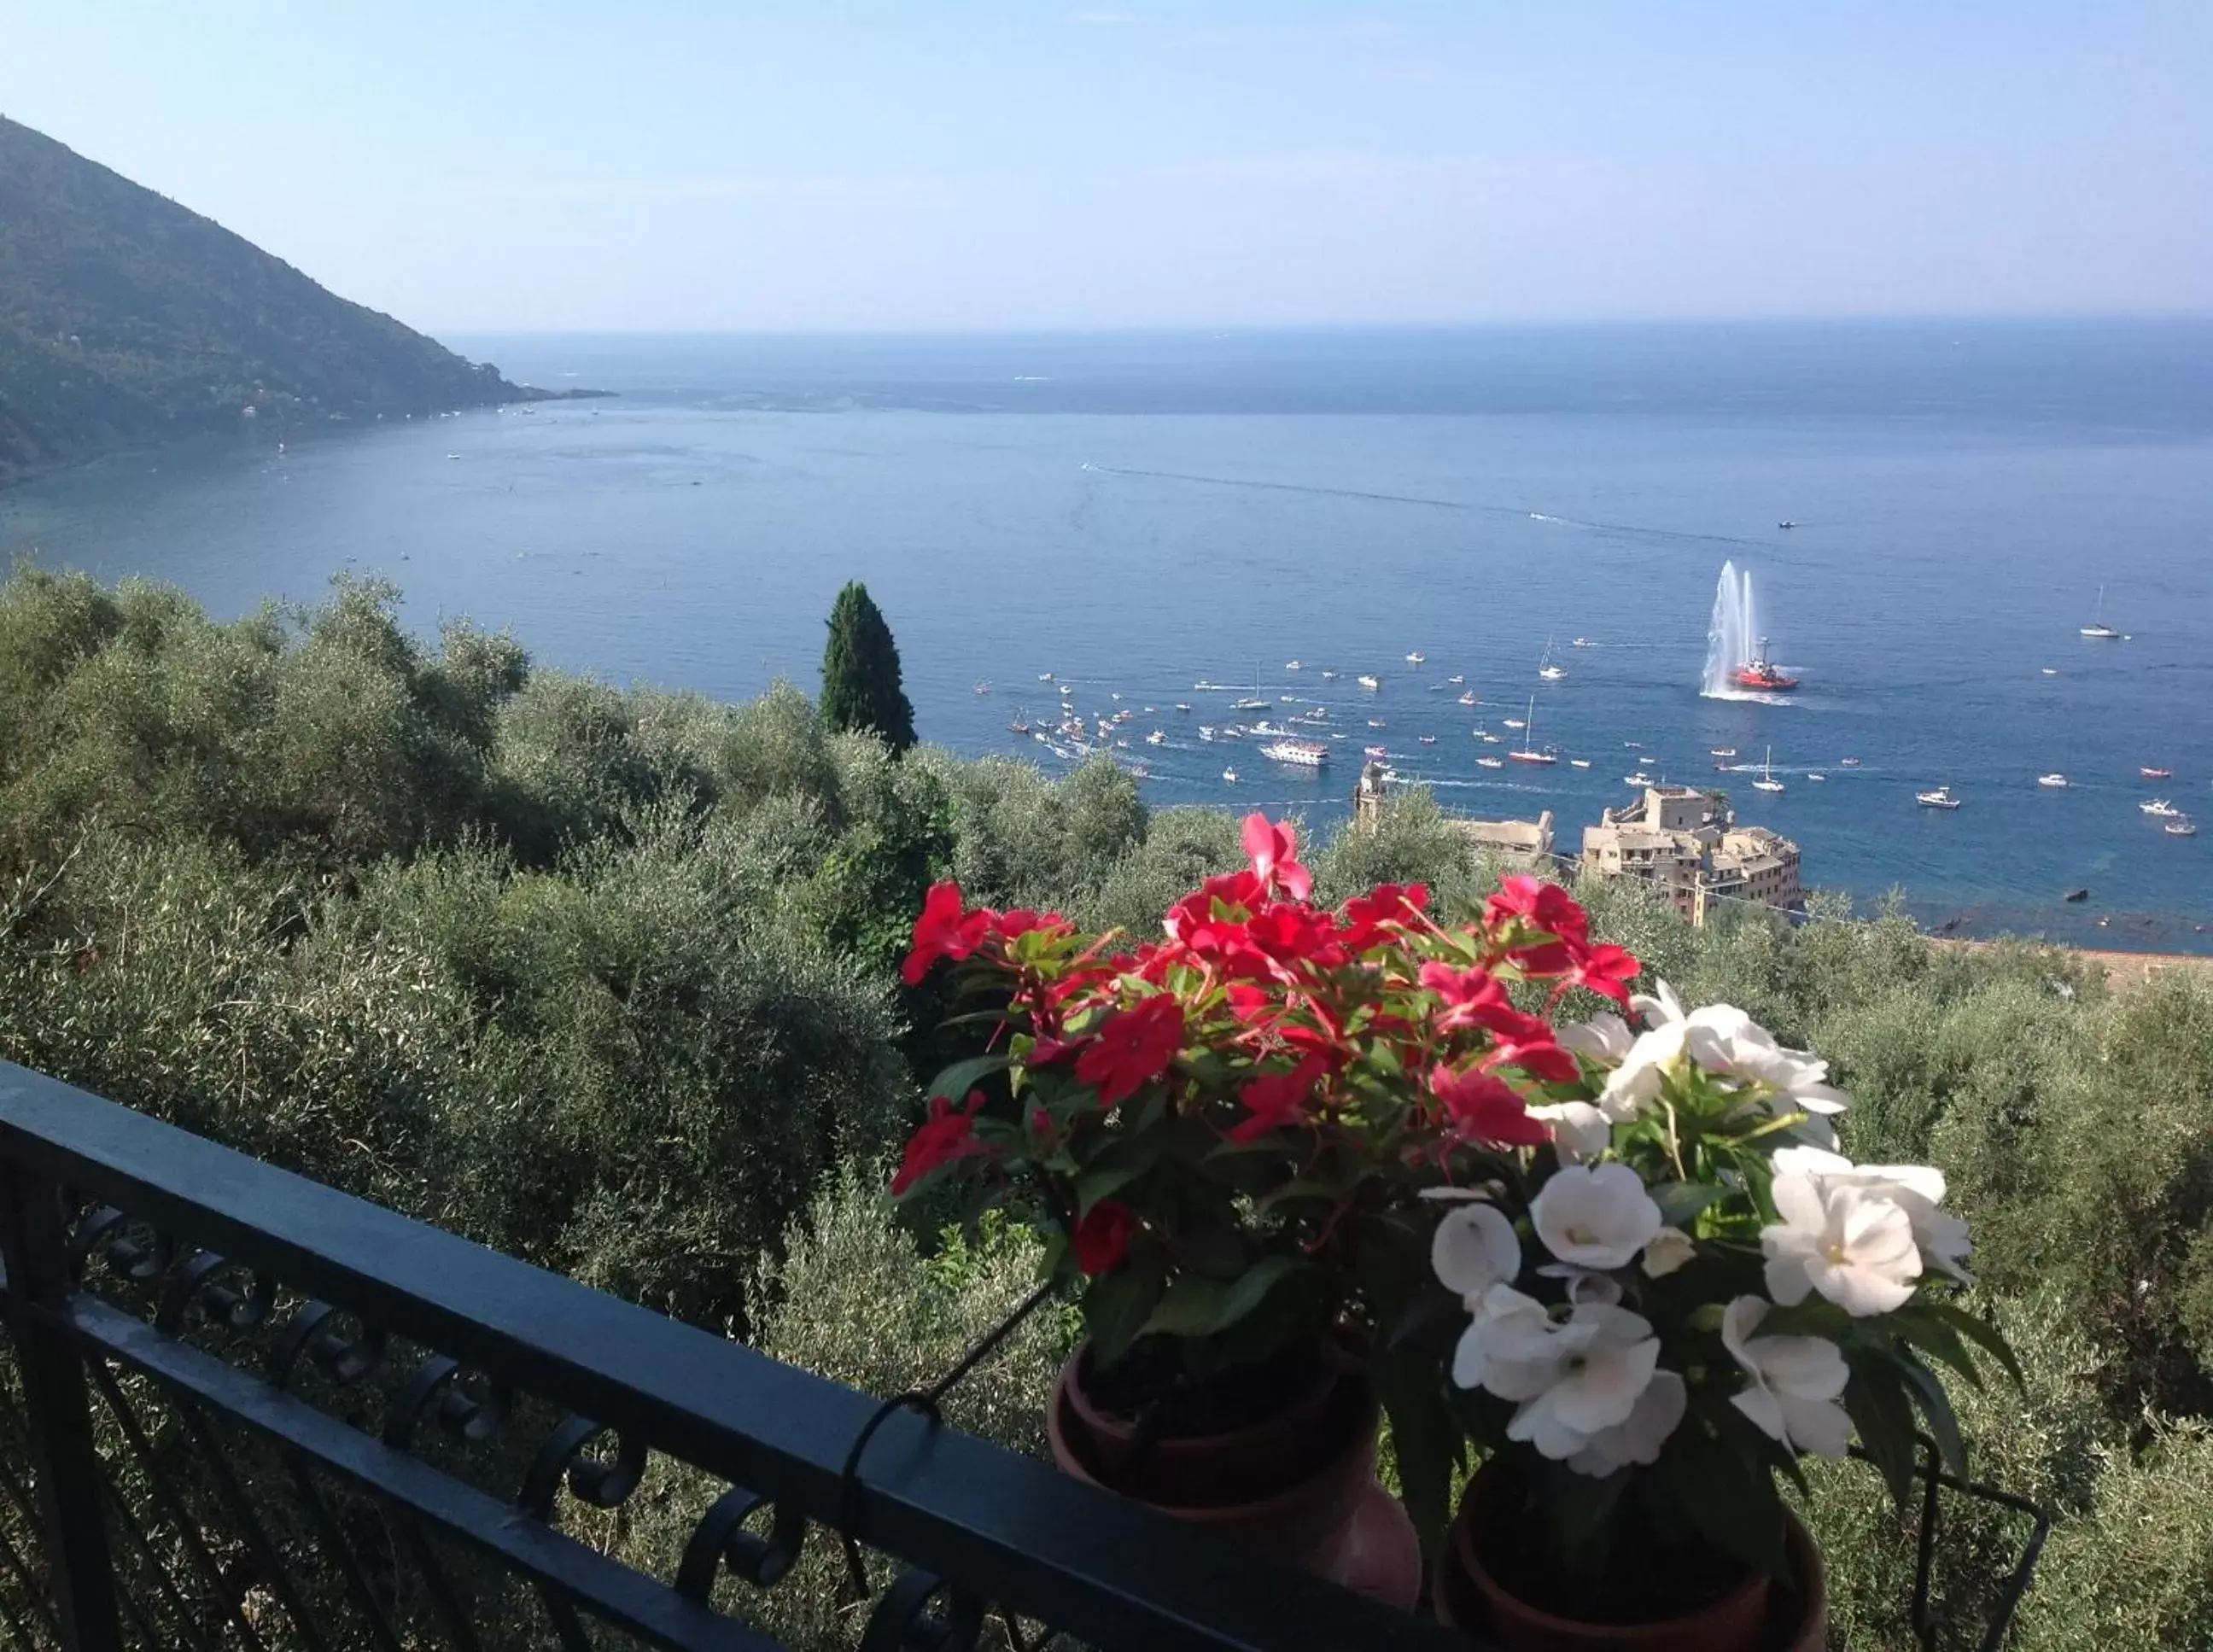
x: 1137, y: 514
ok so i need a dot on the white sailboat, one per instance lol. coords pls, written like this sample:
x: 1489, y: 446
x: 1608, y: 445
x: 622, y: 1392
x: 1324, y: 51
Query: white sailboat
x: 2098, y: 630
x: 1530, y: 751
x: 1767, y: 782
x: 1546, y: 669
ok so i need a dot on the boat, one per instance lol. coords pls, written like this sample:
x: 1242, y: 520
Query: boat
x: 2050, y: 671
x: 1767, y: 782
x: 1206, y: 731
x: 1487, y: 737
x: 1490, y: 763
x: 2150, y: 773
x: 1416, y: 658
x: 2056, y: 780
x: 1229, y: 776
x: 1940, y: 798
x: 1374, y: 751
x: 1515, y: 723
x: 1249, y: 705
x: 1116, y: 695
x: 2161, y: 808
x: 1304, y: 753
x: 1158, y: 737
x: 2098, y: 631
x: 1377, y: 723
x: 1546, y: 669
x: 1582, y: 643
x: 1295, y: 665
x: 1019, y: 725
x: 1723, y: 750
x: 1469, y: 698
x: 1786, y: 524
x: 1759, y: 672
x: 1810, y: 776
x: 1848, y: 762
x: 1457, y: 678
x: 1328, y: 675
x: 983, y: 688
x: 2181, y: 829
x: 1530, y: 751
x: 1640, y: 779
x: 1427, y: 740
x: 1180, y: 706
x: 1369, y: 682
x: 1044, y: 676
x: 1579, y: 763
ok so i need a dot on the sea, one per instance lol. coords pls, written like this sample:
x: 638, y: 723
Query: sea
x: 1930, y: 512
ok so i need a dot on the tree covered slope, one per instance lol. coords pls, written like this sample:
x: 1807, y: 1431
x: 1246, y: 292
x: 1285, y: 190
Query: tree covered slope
x: 125, y: 318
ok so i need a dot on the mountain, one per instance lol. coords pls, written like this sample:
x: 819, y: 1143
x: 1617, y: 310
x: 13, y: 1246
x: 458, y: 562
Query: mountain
x: 126, y: 319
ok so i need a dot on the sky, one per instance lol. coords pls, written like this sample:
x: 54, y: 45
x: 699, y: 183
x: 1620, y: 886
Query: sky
x: 490, y: 166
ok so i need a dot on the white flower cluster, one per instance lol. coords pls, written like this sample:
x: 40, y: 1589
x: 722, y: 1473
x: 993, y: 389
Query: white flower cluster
x: 1586, y: 1381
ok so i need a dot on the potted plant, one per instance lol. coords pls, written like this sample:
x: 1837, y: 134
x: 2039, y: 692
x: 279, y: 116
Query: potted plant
x: 1224, y: 1133
x: 1650, y: 1319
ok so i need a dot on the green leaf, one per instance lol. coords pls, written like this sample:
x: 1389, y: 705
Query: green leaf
x: 1115, y: 1309
x: 1196, y: 1306
x: 1875, y: 1397
x: 1101, y: 1180
x: 1935, y: 1337
x: 1425, y: 1437
x: 1727, y: 1496
x: 956, y: 1081
x: 1680, y: 1202
x: 1936, y: 1409
x: 1982, y: 1333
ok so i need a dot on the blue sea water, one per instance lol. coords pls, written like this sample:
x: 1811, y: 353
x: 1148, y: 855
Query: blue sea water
x: 1138, y: 513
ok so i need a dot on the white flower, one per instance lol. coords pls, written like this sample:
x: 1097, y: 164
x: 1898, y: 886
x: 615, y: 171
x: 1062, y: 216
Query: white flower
x: 1509, y: 1349
x: 1636, y: 1439
x: 1667, y: 1251
x: 1580, y: 1131
x: 1917, y: 1189
x: 1604, y: 1039
x: 1793, y: 1382
x: 1594, y: 1216
x: 1601, y: 1360
x: 1722, y: 1040
x: 1853, y: 1245
x: 1473, y: 1249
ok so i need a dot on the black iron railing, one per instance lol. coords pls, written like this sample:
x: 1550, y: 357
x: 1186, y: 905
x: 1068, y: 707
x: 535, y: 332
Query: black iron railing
x: 239, y: 1409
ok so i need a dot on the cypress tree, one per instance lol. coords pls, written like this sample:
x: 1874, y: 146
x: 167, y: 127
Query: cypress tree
x: 861, y: 672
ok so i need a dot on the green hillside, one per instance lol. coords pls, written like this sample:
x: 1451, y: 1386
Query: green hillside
x: 125, y: 318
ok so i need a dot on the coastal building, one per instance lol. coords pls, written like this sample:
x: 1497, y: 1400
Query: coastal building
x: 1521, y: 842
x: 1687, y: 843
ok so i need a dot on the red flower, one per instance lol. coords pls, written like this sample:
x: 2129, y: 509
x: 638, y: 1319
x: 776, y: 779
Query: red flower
x: 1538, y: 1057
x: 944, y: 930
x: 946, y: 1136
x: 1605, y: 969
x: 1290, y: 935
x: 1102, y: 1238
x: 1278, y: 1099
x: 1543, y: 905
x: 1387, y: 903
x: 1475, y: 997
x: 1273, y: 849
x: 1020, y: 920
x: 1485, y: 1108
x: 1133, y: 1048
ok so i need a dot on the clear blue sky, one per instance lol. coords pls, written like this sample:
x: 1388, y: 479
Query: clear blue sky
x: 498, y: 165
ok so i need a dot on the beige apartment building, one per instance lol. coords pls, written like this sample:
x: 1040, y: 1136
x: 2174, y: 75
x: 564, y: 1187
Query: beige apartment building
x: 1688, y: 843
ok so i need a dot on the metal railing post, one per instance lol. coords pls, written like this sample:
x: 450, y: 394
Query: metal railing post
x: 34, y: 1244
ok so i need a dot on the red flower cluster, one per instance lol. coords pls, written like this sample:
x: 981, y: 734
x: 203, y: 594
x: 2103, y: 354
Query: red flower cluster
x: 1374, y: 1034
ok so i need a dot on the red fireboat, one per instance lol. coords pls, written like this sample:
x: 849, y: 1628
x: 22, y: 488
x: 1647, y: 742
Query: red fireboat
x: 1759, y: 672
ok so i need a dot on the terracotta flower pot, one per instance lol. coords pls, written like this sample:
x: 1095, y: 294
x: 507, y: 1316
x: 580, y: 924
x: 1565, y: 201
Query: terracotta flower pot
x: 1298, y: 1485
x: 1758, y: 1615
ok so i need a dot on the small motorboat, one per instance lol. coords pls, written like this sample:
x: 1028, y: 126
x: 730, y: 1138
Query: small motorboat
x: 2161, y: 808
x: 1206, y: 731
x: 1582, y: 643
x: 1816, y: 777
x: 983, y: 688
x: 1469, y: 698
x: 1515, y: 723
x: 1848, y: 762
x: 1367, y: 682
x: 2055, y: 780
x: 1456, y: 679
x: 1044, y: 676
x: 1640, y: 779
x: 1180, y: 706
x: 1724, y: 751
x: 2181, y: 829
x: 1295, y: 665
x: 1374, y: 751
x: 1786, y: 524
x: 1490, y: 763
x: 1229, y: 777
x: 2156, y: 774
x: 1327, y: 675
x: 1427, y: 740
x: 1551, y: 674
x: 1579, y: 763
x: 1940, y: 798
x: 1158, y: 737
x: 2050, y: 671
x: 1416, y: 658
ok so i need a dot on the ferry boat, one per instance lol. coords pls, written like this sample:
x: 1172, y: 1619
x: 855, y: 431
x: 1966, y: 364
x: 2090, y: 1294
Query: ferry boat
x: 1305, y: 753
x: 1759, y: 673
x: 1940, y: 798
x: 2056, y: 780
x: 2181, y: 829
x: 2098, y: 631
x: 2161, y: 807
x: 2156, y: 774
x: 1531, y: 753
x: 1369, y: 682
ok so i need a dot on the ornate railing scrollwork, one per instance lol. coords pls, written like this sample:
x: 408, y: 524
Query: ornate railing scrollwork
x: 602, y: 1482
x: 721, y: 1540
x: 920, y: 1613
